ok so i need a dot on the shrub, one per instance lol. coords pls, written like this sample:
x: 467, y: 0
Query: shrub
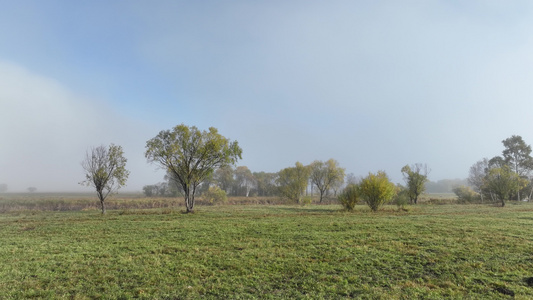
x: 215, y: 195
x: 306, y: 200
x: 402, y: 197
x: 376, y: 190
x: 465, y: 194
x: 349, y: 197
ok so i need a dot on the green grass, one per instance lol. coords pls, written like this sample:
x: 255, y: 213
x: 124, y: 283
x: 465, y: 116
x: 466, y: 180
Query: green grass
x: 270, y: 252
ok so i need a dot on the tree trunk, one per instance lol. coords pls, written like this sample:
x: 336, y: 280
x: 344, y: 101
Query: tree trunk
x: 101, y: 198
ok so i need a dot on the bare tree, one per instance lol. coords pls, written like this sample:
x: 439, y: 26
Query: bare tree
x: 105, y: 171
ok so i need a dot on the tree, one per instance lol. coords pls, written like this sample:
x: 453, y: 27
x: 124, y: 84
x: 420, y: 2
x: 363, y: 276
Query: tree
x: 3, y: 188
x: 245, y: 179
x: 415, y: 177
x: 517, y: 154
x: 32, y: 189
x: 266, y: 183
x: 325, y: 175
x: 224, y: 178
x: 376, y: 190
x: 477, y: 174
x: 191, y: 156
x: 292, y: 181
x: 105, y: 170
x: 501, y: 181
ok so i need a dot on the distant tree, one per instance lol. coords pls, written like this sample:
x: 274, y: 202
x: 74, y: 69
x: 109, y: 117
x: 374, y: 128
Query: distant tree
x: 352, y: 179
x: 3, y: 188
x: 502, y: 181
x: 349, y: 196
x: 191, y: 156
x: 415, y: 177
x: 148, y: 190
x: 32, y: 189
x: 266, y: 183
x: 292, y: 181
x: 224, y: 178
x: 477, y: 174
x: 376, y: 190
x: 325, y: 175
x: 245, y: 180
x: 517, y: 154
x: 105, y: 170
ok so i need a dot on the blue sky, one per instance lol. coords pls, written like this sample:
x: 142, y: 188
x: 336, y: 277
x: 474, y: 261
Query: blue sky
x: 373, y: 84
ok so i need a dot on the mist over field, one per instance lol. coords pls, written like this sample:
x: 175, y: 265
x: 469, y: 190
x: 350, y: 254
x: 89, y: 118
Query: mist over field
x: 374, y: 85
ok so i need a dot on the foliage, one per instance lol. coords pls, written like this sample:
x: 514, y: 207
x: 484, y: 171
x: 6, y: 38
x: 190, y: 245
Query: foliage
x: 191, y: 156
x: 32, y: 189
x: 245, y: 181
x: 376, y: 190
x: 105, y: 170
x: 266, y: 183
x: 415, y: 177
x: 517, y: 154
x: 306, y: 200
x: 476, y: 176
x: 401, y: 199
x: 224, y: 178
x: 349, y: 196
x: 215, y: 195
x: 326, y: 175
x: 292, y: 181
x: 502, y: 182
x: 466, y: 194
x: 3, y: 187
x: 277, y: 252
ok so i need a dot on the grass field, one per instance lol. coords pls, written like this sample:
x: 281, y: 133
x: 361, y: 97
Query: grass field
x: 269, y: 252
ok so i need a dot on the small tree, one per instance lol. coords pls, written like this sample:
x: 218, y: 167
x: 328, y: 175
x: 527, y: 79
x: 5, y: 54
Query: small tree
x: 502, y: 181
x: 376, y: 190
x: 191, y: 156
x: 326, y: 175
x: 3, y: 187
x: 105, y: 170
x: 32, y: 189
x: 293, y: 181
x: 415, y: 177
x: 349, y: 196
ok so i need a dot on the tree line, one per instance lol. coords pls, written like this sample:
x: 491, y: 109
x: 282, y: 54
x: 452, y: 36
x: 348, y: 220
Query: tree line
x: 202, y: 161
x: 501, y: 178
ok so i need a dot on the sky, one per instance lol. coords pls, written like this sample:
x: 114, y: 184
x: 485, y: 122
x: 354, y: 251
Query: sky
x: 375, y: 85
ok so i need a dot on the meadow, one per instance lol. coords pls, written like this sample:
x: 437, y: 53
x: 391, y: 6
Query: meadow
x: 264, y: 251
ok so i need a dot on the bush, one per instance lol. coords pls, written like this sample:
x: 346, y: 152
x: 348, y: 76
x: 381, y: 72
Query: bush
x: 465, y: 194
x: 349, y: 197
x: 376, y: 190
x: 306, y: 201
x: 215, y: 195
x: 402, y: 197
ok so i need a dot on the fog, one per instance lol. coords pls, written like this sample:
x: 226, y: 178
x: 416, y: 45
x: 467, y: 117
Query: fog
x: 375, y: 85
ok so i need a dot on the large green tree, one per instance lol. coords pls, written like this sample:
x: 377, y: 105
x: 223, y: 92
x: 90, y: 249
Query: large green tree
x: 191, y: 156
x: 376, y: 189
x: 415, y: 177
x: 292, y: 181
x: 105, y: 170
x: 325, y: 175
